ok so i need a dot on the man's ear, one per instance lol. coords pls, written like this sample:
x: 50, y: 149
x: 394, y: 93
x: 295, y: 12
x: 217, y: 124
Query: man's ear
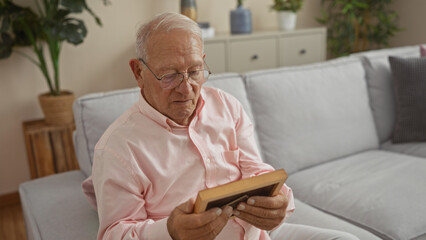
x: 136, y: 67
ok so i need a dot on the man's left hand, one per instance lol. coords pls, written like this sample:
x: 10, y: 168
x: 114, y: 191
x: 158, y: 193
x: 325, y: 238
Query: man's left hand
x: 263, y: 212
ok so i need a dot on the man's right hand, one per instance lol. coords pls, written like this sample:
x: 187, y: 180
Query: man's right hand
x: 183, y: 224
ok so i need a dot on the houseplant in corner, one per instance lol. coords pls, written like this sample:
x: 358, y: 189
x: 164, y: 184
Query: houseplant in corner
x: 362, y: 24
x: 45, y: 30
x: 287, y: 12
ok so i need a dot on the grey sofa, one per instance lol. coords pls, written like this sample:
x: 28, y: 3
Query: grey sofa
x: 327, y: 124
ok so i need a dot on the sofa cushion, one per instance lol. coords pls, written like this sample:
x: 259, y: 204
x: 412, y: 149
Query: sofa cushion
x: 415, y: 149
x: 308, y: 215
x: 54, y: 208
x: 377, y: 190
x: 378, y: 75
x: 311, y: 114
x: 93, y: 113
x: 409, y: 78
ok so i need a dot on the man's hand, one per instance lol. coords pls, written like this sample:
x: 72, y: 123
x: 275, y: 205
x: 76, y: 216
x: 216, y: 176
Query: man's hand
x: 263, y: 212
x: 183, y: 224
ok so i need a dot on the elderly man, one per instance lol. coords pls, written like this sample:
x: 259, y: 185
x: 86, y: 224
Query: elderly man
x: 178, y: 139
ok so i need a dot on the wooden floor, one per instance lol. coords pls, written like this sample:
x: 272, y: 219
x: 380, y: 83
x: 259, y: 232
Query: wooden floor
x: 12, y: 226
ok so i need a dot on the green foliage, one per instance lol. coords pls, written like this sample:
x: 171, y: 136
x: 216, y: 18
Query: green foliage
x: 239, y: 3
x: 287, y: 5
x: 358, y: 25
x: 49, y: 27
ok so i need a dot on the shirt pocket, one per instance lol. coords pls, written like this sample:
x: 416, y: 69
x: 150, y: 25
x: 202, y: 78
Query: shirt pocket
x: 231, y: 159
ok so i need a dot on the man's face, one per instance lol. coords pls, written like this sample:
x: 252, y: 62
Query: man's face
x: 175, y: 51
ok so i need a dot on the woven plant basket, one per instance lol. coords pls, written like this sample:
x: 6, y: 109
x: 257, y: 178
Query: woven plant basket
x: 57, y: 109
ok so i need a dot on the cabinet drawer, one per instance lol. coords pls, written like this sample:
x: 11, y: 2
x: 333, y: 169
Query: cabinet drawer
x: 253, y: 54
x: 215, y: 56
x: 302, y: 49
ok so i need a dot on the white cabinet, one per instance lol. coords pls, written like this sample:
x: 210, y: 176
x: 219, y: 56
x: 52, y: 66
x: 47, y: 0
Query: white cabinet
x: 262, y: 50
x: 252, y: 54
x: 303, y: 48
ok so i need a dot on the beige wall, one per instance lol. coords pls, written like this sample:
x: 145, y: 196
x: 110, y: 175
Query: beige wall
x: 412, y: 19
x: 100, y: 63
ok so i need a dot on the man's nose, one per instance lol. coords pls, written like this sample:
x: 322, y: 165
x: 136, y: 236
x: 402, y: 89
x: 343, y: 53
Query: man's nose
x: 185, y: 85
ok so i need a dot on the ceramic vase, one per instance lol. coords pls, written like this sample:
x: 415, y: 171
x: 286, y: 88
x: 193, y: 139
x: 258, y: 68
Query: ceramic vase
x: 189, y: 9
x: 287, y: 20
x: 240, y: 21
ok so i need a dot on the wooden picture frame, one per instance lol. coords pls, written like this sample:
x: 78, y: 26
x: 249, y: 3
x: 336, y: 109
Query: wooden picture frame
x: 268, y: 184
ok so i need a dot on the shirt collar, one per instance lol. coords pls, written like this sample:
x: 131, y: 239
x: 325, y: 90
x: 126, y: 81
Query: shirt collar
x: 162, y: 120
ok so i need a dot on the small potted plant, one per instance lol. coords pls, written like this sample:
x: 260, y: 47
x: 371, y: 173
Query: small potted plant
x: 287, y: 12
x: 241, y: 19
x: 44, y: 30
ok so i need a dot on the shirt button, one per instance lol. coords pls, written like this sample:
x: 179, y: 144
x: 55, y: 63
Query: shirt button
x: 208, y: 160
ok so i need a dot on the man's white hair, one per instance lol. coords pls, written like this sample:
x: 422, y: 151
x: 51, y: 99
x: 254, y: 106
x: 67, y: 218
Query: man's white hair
x: 164, y: 23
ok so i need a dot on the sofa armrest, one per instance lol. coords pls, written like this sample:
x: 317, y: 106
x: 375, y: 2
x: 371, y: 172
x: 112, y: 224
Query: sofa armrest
x: 54, y: 207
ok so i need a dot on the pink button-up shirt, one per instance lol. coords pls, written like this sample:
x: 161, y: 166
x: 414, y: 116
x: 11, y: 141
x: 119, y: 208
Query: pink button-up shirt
x: 145, y: 165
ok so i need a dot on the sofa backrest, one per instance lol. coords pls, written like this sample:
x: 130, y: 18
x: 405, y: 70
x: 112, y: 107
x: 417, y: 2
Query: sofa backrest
x: 379, y: 80
x: 303, y: 115
x: 311, y: 114
x: 93, y: 113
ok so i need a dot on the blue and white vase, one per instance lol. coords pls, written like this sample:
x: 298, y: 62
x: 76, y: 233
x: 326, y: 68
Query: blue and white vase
x: 240, y: 21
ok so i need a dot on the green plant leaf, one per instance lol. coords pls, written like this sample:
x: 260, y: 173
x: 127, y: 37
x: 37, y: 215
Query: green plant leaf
x: 347, y: 8
x: 25, y: 19
x: 6, y: 45
x: 20, y: 26
x: 73, y: 31
x: 75, y: 6
x: 357, y: 25
x: 359, y: 4
x: 9, y: 8
x: 287, y: 5
x: 61, y: 14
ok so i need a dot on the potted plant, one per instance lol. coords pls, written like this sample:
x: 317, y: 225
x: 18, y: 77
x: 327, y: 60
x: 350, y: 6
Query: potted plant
x: 44, y: 30
x: 354, y: 26
x: 241, y: 19
x: 287, y: 12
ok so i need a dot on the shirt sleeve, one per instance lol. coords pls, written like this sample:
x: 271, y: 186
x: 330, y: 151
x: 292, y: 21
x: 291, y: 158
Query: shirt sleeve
x: 120, y: 201
x: 250, y: 161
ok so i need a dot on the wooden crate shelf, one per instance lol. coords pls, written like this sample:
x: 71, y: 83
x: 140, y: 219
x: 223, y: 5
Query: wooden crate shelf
x: 50, y: 149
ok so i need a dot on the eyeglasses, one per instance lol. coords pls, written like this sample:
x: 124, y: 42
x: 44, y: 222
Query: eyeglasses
x: 172, y: 80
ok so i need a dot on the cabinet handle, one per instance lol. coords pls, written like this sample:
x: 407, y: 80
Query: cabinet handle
x: 302, y: 52
x: 254, y: 57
